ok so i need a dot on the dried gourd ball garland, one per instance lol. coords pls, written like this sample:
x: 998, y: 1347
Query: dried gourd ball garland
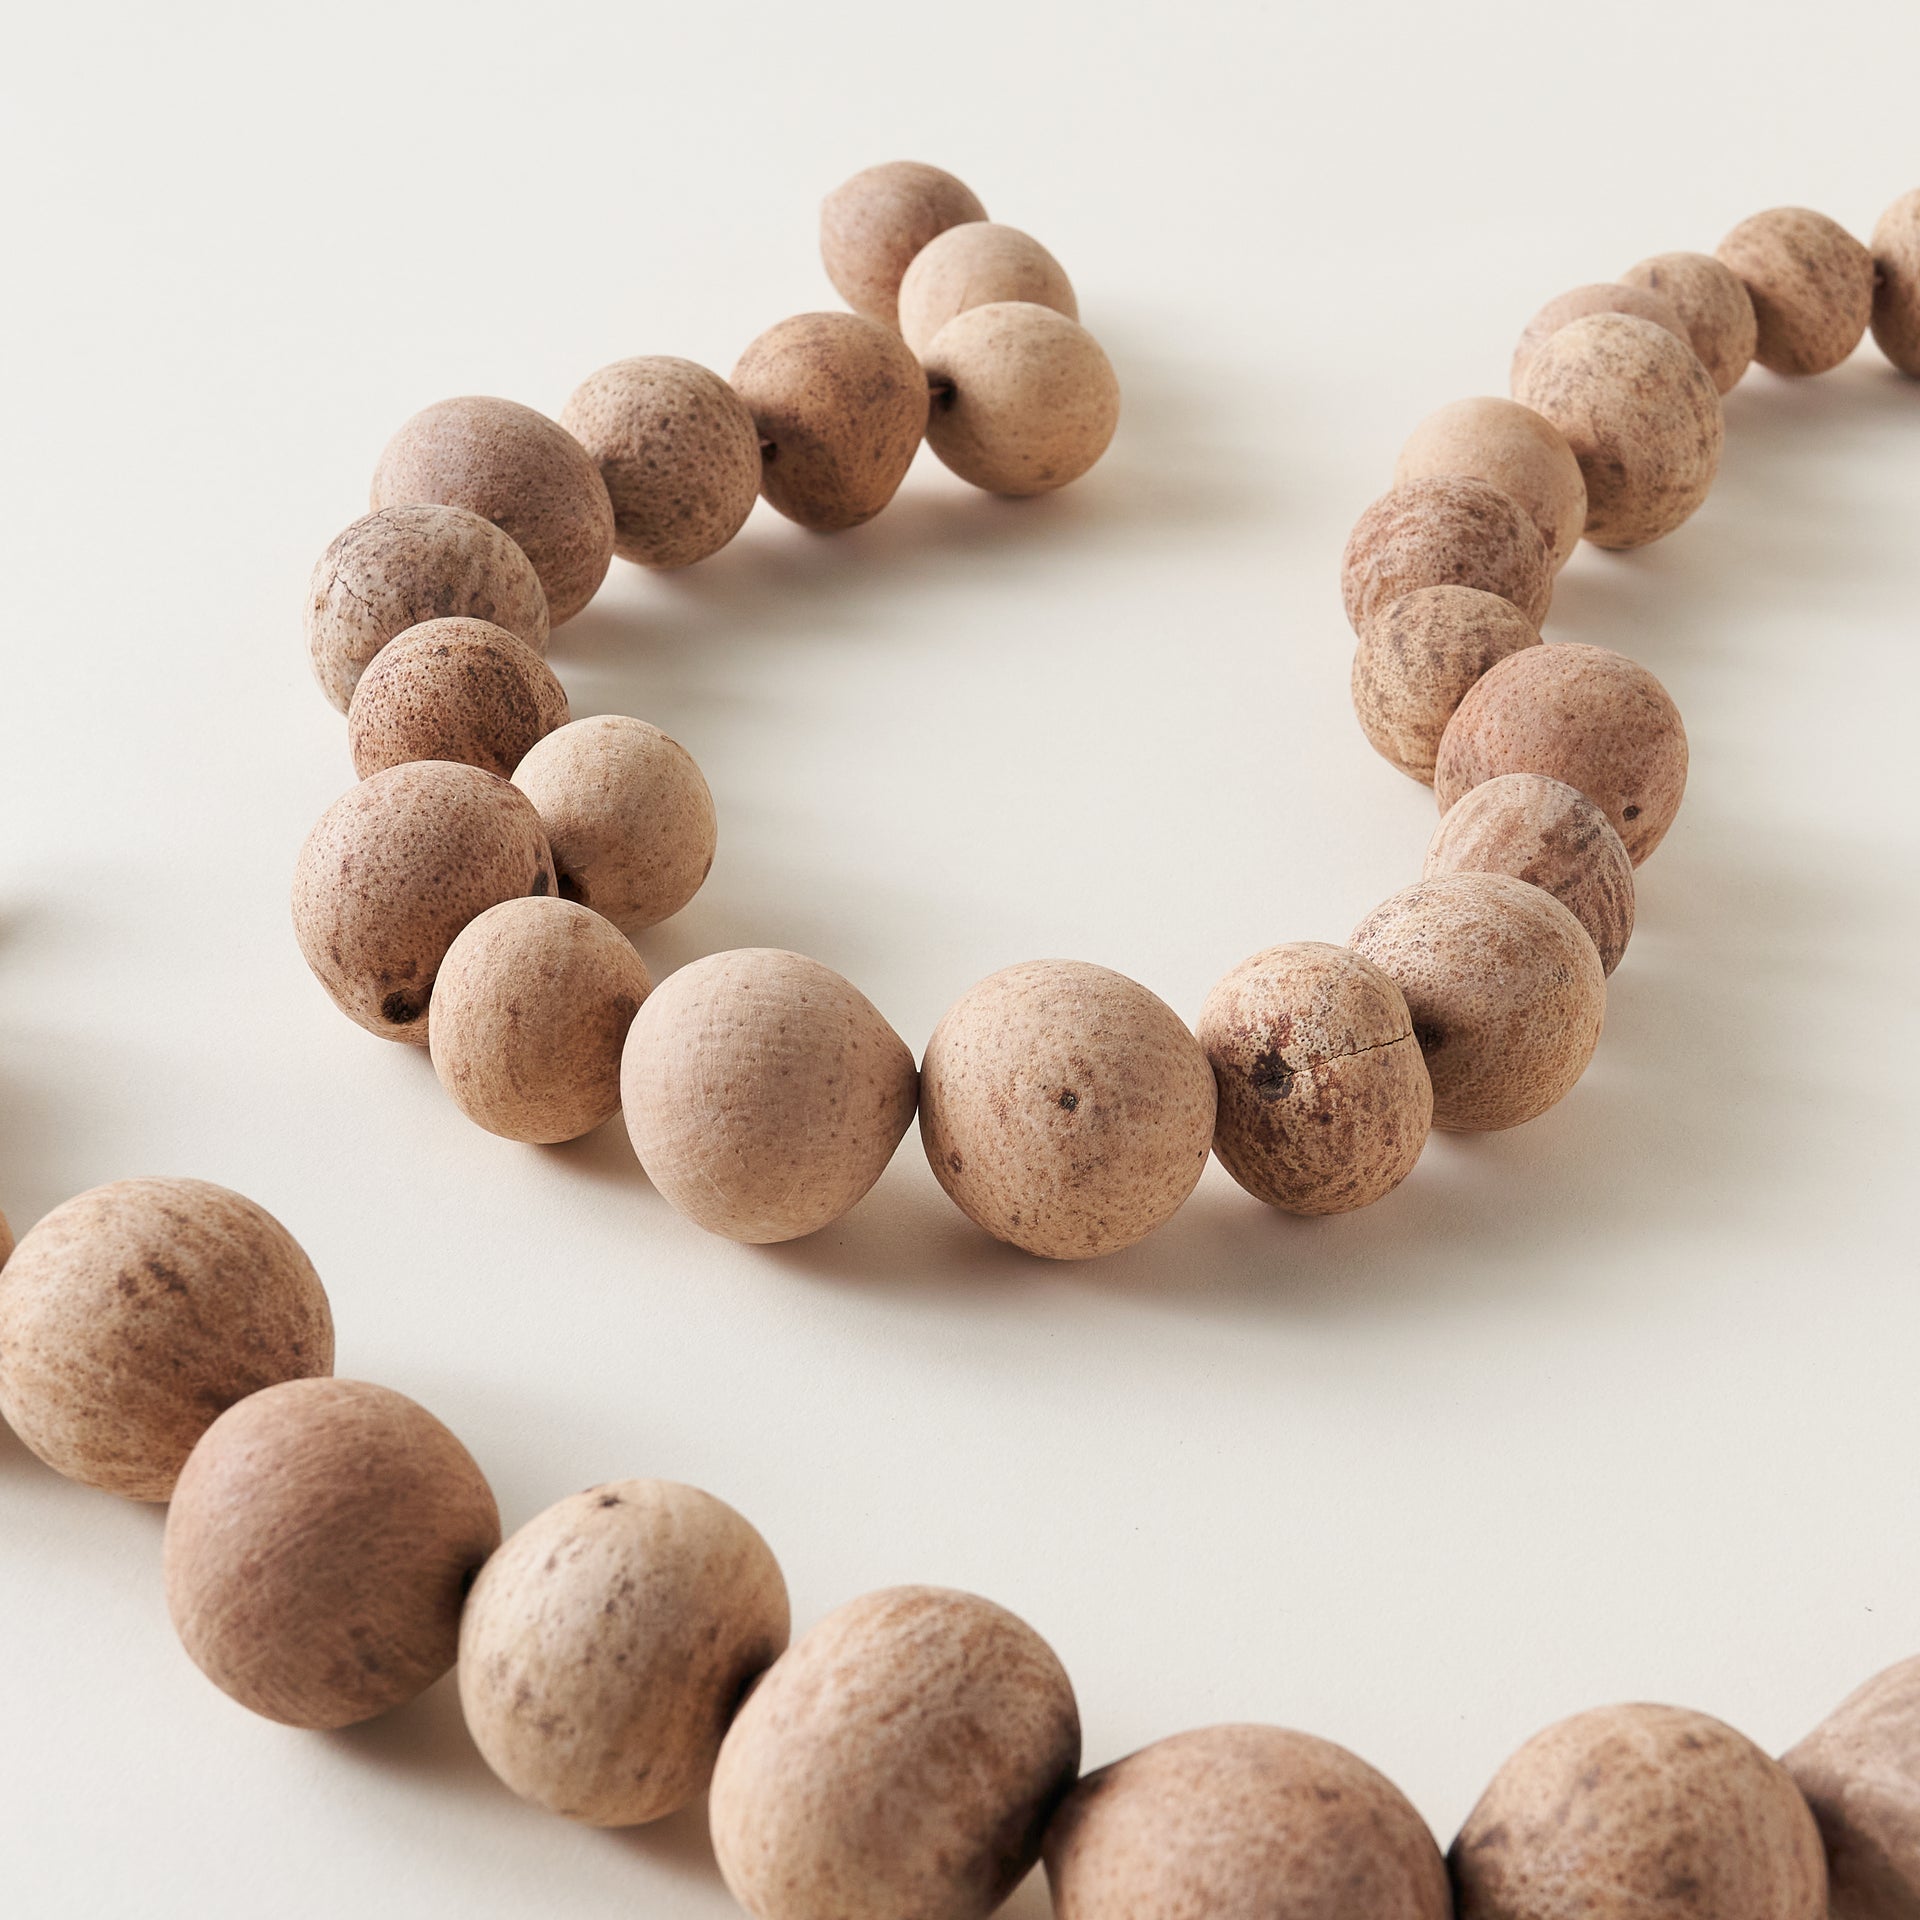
x: 331, y: 1549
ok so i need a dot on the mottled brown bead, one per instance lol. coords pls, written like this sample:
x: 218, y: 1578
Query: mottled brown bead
x: 978, y: 265
x: 1811, y: 284
x: 1510, y: 447
x: 873, y: 225
x: 1447, y: 531
x: 1896, y: 283
x: 1711, y: 300
x: 1602, y: 296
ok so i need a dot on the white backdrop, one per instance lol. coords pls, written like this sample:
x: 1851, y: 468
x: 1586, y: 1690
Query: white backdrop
x: 1619, y: 1405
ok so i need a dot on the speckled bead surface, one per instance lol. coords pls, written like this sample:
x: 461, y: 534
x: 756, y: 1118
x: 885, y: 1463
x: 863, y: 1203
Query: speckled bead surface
x: 1603, y: 296
x: 1811, y: 284
x: 1896, y: 283
x: 976, y: 265
x: 1447, y: 531
x: 1711, y: 300
x: 873, y: 225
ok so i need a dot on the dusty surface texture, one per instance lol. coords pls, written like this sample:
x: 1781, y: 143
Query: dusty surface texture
x: 1602, y: 296
x: 764, y: 1093
x: 1585, y: 715
x: 394, y: 869
x: 1550, y: 835
x: 319, y: 1546
x: 872, y: 226
x: 1505, y: 989
x: 520, y: 470
x: 530, y: 1011
x: 1024, y: 399
x: 678, y: 450
x: 1640, y: 1813
x: 1711, y: 300
x: 1324, y: 1099
x: 1416, y: 659
x: 393, y: 569
x: 605, y: 1646
x: 1811, y: 284
x: 135, y: 1314
x: 978, y: 265
x: 455, y: 689
x: 1065, y: 1108
x: 1445, y: 531
x: 628, y: 814
x: 840, y: 405
x: 1896, y: 283
x: 902, y: 1758
x: 1243, y: 1823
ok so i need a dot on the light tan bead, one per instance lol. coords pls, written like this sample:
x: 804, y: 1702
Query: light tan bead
x: 1811, y: 284
x: 873, y: 225
x: 1601, y: 297
x: 6, y: 1241
x: 1896, y: 283
x: 901, y: 1758
x: 1711, y: 300
x: 604, y: 1648
x: 1447, y: 531
x: 975, y: 265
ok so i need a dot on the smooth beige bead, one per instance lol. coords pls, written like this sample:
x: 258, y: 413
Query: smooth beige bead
x: 1811, y: 284
x: 1505, y: 989
x: 1510, y: 447
x: 320, y: 1542
x: 393, y: 569
x: 1243, y: 1823
x: 520, y: 470
x: 1605, y: 296
x: 1446, y: 531
x: 678, y: 450
x: 902, y: 1758
x: 628, y: 814
x: 604, y: 1648
x: 1711, y: 300
x: 1896, y: 283
x: 873, y: 225
x: 531, y: 1009
x: 1585, y: 715
x: 1324, y: 1099
x: 136, y: 1313
x: 391, y: 873
x: 453, y: 689
x: 1550, y: 835
x: 1640, y: 1813
x: 979, y: 264
x: 764, y: 1093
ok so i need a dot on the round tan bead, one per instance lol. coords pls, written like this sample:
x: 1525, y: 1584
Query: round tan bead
x: 1550, y: 835
x: 605, y: 1646
x: 393, y: 569
x: 1243, y: 1823
x: 1504, y: 987
x: 628, y: 814
x: 1024, y: 399
x: 531, y: 1008
x: 520, y: 470
x: 873, y: 225
x: 1447, y: 531
x: 764, y: 1093
x: 1585, y: 715
x: 1601, y: 297
x: 394, y: 869
x: 1811, y: 284
x: 979, y: 264
x: 136, y: 1313
x: 453, y: 690
x: 320, y: 1543
x: 6, y: 1241
x: 1324, y: 1100
x: 1712, y: 303
x: 901, y: 1758
x: 1896, y: 283
x: 1065, y: 1108
x: 1640, y: 1813
x: 679, y: 453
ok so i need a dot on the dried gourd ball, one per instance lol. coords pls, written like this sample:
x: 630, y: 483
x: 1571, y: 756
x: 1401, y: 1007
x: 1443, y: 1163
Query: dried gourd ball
x: 1416, y: 659
x: 394, y: 869
x: 1024, y: 399
x: 1065, y: 1108
x: 1585, y: 715
x: 1601, y: 297
x: 1324, y: 1099
x: 1640, y: 1813
x: 1712, y: 302
x: 1445, y: 531
x: 605, y: 1646
x: 628, y: 814
x: 679, y: 453
x: 1642, y: 416
x: 393, y: 569
x: 321, y: 1540
x: 901, y: 1758
x: 873, y: 225
x: 1550, y: 835
x: 1896, y: 283
x: 1243, y: 1823
x: 453, y: 689
x: 1505, y: 989
x: 840, y: 405
x: 977, y: 265
x: 764, y: 1093
x: 1510, y: 447
x: 136, y: 1313
x: 1811, y: 284
x: 520, y: 470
